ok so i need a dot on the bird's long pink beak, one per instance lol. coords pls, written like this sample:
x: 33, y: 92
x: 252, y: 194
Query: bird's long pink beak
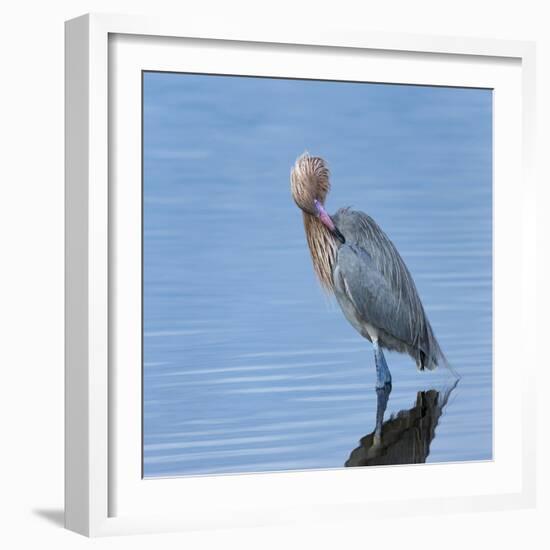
x: 326, y: 220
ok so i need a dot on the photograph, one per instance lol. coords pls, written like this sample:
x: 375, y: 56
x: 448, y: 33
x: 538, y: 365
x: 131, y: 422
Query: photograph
x: 317, y: 274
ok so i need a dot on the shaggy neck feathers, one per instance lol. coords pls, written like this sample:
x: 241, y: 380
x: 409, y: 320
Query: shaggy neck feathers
x: 322, y: 247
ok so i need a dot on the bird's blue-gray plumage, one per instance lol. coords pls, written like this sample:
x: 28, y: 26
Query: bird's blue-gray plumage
x: 377, y: 293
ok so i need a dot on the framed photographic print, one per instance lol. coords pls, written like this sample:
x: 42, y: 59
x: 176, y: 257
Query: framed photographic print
x: 297, y: 272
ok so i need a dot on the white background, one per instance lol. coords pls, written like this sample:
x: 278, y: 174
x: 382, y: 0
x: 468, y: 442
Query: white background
x: 31, y: 278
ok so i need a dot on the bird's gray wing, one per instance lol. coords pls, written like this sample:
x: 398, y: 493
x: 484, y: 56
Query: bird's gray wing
x: 383, y: 287
x: 371, y: 294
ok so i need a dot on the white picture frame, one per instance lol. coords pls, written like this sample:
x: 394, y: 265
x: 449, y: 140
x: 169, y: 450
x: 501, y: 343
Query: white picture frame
x: 104, y: 491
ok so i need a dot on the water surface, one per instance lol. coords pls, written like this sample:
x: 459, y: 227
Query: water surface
x: 248, y: 367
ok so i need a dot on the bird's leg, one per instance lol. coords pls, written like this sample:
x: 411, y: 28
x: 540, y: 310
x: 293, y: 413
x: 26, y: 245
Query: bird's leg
x: 383, y: 376
x: 382, y: 396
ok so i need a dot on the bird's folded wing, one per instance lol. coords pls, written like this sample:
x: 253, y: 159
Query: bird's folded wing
x: 372, y: 294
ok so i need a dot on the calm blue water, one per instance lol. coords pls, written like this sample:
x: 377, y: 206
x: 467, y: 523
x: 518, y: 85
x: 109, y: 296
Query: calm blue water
x: 247, y: 366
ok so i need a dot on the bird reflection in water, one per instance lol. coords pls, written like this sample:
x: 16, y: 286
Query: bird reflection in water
x: 405, y: 437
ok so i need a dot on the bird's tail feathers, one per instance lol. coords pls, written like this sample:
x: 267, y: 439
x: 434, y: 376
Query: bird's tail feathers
x: 436, y: 359
x: 452, y: 370
x: 433, y: 356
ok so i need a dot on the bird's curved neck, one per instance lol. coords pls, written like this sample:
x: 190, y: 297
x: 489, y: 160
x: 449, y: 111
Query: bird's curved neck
x: 322, y: 247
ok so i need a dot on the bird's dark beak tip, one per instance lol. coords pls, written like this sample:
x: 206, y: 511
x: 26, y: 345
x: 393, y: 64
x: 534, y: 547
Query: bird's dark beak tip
x: 338, y: 235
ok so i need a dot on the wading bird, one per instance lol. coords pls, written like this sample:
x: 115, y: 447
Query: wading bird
x: 354, y: 259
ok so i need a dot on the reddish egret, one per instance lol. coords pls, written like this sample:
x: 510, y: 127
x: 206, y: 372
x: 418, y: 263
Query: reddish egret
x: 356, y: 261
